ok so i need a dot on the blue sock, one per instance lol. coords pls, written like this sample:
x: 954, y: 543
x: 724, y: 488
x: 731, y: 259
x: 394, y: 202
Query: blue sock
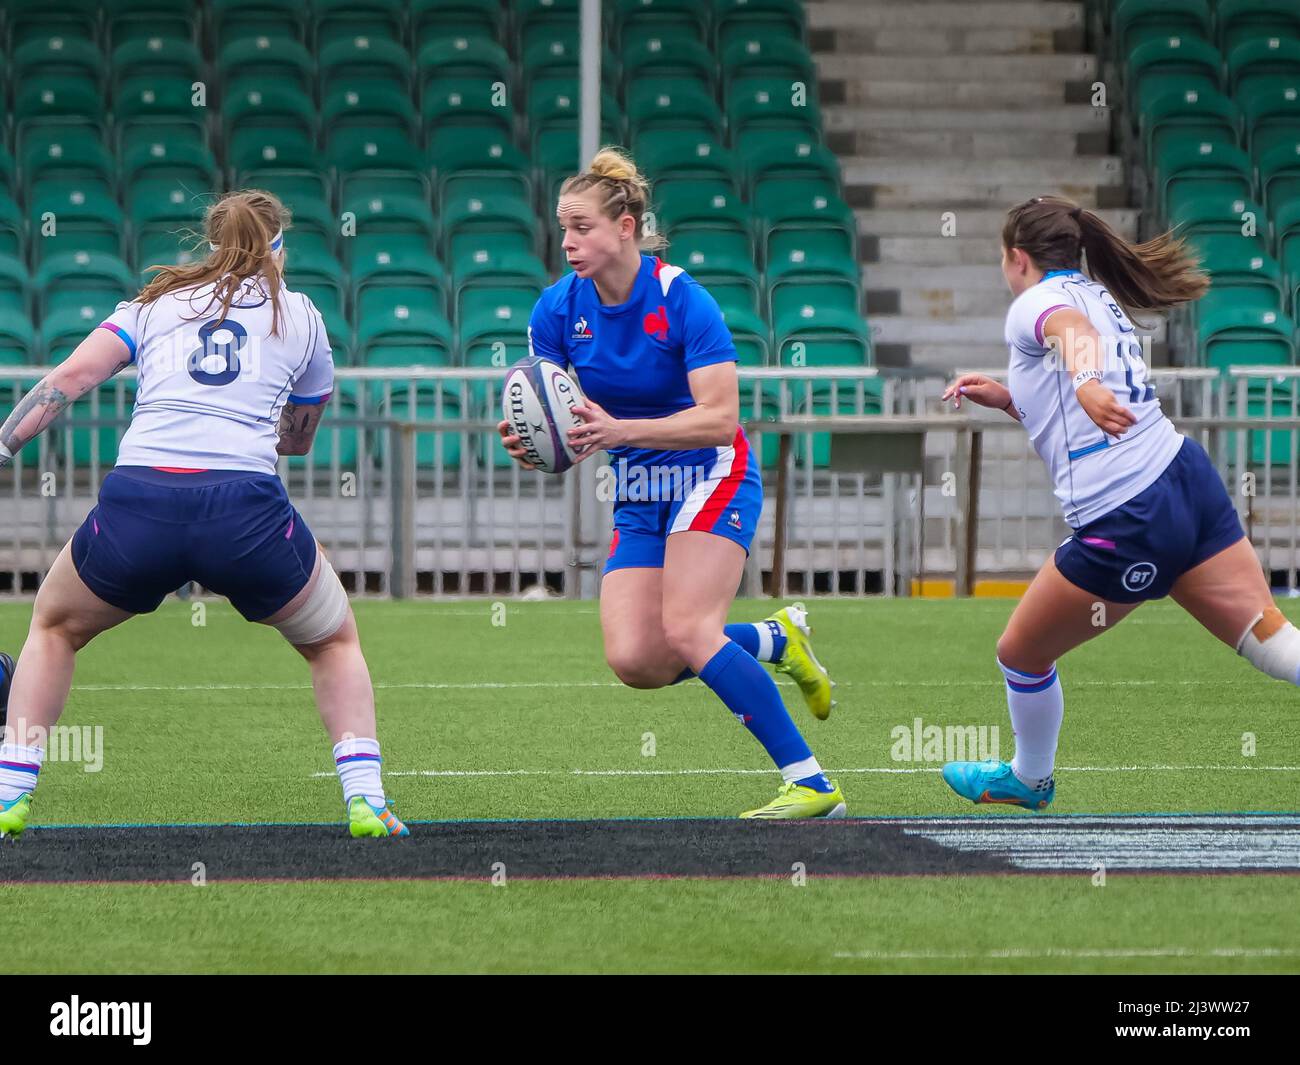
x: 764, y: 640
x: 750, y: 693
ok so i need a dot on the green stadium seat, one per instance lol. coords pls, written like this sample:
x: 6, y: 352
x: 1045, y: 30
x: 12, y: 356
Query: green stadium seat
x: 1227, y: 215
x: 803, y: 205
x: 433, y: 19
x: 1235, y: 261
x: 382, y: 162
x: 544, y: 15
x: 402, y: 316
x: 127, y: 21
x: 676, y: 155
x: 469, y: 220
x: 1279, y: 174
x: 1272, y: 117
x: 554, y: 53
x: 1252, y: 62
x: 235, y: 20
x: 495, y: 269
x: 1231, y: 334
x: 1191, y: 113
x: 250, y: 103
x: 157, y: 246
x: 771, y: 104
x: 808, y: 252
x: 1136, y: 21
x: 169, y: 158
x: 390, y: 213
x: 768, y: 57
x: 1182, y: 62
x: 162, y: 105
x: 463, y: 156
x: 15, y: 297
x: 1237, y: 21
x: 466, y: 101
x: 394, y: 258
x: 740, y: 19
x: 672, y: 103
x: 350, y: 58
x: 70, y: 215
x: 165, y: 205
x: 318, y: 276
x: 156, y: 55
x: 691, y: 208
x: 60, y: 151
x: 368, y: 105
x: 58, y: 56
x: 660, y: 56
x: 748, y: 332
x: 1201, y: 168
x: 731, y: 278
x: 18, y: 346
x: 6, y: 168
x: 493, y: 322
x: 68, y: 19
x: 43, y: 100
x: 257, y: 156
x: 425, y: 401
x: 12, y: 228
x: 337, y: 20
x: 268, y: 56
x: 64, y: 328
x: 312, y: 253
x: 480, y: 58
x: 635, y: 20
x: 782, y: 159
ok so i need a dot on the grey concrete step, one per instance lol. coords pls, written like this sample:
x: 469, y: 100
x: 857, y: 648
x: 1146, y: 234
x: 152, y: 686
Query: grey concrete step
x: 887, y: 276
x: 1017, y: 69
x: 1062, y: 172
x: 969, y: 144
x: 947, y: 42
x: 903, y: 91
x: 1076, y: 118
x: 939, y: 251
x: 970, y: 222
x: 951, y: 358
x: 949, y: 14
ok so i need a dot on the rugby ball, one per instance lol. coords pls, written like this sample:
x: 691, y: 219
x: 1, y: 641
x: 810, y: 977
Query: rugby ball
x: 538, y: 400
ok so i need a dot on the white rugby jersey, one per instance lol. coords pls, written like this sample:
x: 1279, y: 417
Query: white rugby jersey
x: 1092, y: 473
x: 209, y: 394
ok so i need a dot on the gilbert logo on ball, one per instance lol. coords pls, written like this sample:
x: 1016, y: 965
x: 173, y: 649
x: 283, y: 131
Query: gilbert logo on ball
x: 538, y: 401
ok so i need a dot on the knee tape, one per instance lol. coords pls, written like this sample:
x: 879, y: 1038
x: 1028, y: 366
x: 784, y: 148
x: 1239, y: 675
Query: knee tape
x: 1272, y: 645
x: 324, y: 612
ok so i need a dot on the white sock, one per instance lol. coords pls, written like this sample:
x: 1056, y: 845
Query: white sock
x: 357, y: 762
x: 1037, y: 706
x: 19, y: 767
x: 769, y: 637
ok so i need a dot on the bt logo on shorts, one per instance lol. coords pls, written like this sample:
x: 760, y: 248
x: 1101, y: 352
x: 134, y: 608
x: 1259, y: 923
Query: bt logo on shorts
x: 1140, y: 576
x: 581, y: 330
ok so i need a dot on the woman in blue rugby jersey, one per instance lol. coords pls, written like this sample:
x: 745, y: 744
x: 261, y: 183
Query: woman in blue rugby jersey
x: 652, y: 354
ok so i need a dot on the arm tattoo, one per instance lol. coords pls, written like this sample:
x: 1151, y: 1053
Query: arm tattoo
x: 34, y: 412
x: 297, y: 427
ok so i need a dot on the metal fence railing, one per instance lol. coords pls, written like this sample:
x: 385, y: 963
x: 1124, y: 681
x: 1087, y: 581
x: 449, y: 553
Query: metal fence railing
x: 870, y: 485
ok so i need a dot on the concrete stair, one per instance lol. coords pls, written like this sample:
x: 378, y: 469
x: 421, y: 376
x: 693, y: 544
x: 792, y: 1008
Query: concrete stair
x: 944, y: 114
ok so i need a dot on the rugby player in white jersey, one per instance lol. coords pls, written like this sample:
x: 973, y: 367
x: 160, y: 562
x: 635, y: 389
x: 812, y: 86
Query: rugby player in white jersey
x: 1149, y: 512
x: 234, y: 370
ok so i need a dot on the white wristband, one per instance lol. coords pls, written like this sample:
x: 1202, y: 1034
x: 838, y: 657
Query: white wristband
x: 1084, y: 376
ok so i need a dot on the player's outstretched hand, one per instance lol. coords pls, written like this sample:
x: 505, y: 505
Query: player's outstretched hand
x: 1099, y: 404
x: 978, y: 389
x: 512, y: 447
x: 599, y: 430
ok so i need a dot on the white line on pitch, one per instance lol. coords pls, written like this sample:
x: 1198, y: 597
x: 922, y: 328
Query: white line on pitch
x: 769, y: 772
x: 472, y: 685
x: 1067, y: 952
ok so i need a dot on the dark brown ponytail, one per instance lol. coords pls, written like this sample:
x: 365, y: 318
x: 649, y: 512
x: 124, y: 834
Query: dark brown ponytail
x: 1057, y: 234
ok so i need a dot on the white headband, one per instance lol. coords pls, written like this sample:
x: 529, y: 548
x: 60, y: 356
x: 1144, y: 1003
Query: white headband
x: 277, y: 242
